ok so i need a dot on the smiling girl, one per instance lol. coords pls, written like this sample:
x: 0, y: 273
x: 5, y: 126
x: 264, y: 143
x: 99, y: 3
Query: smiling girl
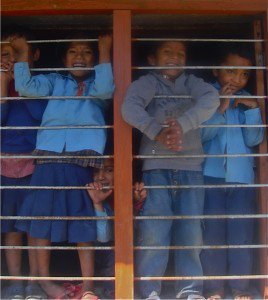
x: 66, y: 142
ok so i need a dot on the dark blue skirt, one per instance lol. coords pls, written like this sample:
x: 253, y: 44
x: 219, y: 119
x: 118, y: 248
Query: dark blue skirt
x: 11, y: 200
x: 59, y: 203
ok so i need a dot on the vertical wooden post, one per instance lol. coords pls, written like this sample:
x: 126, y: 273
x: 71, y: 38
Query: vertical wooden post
x: 263, y: 161
x: 123, y: 159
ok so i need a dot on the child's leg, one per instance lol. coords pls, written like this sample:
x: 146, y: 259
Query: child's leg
x: 43, y: 260
x: 86, y: 258
x: 32, y: 257
x: 214, y: 261
x: 13, y: 257
x: 188, y: 232
x: 154, y: 232
x: 240, y: 232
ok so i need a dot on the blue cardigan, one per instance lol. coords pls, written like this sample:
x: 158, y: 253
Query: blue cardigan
x: 69, y: 111
x: 218, y: 140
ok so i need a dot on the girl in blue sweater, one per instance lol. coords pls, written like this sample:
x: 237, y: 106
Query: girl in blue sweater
x: 79, y: 81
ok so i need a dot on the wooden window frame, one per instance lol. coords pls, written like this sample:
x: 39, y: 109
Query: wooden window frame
x: 122, y: 12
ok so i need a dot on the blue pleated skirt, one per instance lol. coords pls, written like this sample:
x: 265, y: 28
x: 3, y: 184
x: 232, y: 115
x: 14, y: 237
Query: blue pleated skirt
x: 12, y: 200
x: 59, y: 203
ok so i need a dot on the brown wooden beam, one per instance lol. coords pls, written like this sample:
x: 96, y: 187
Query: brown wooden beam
x: 124, y: 277
x: 260, y: 53
x: 33, y: 7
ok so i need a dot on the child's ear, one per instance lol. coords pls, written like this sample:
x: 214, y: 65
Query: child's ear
x: 151, y: 60
x: 36, y: 55
x: 215, y: 72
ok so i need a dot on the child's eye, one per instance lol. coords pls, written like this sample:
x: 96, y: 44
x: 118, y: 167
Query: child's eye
x: 71, y: 51
x: 246, y: 75
x: 230, y: 71
x: 89, y: 52
x: 109, y: 170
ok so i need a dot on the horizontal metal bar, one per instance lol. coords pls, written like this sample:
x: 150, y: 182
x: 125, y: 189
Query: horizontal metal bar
x: 199, y: 156
x: 55, y: 41
x: 214, y: 247
x: 54, y: 156
x: 111, y: 126
x: 60, y: 278
x: 203, y: 277
x: 55, y: 218
x: 57, y: 278
x: 199, y: 68
x: 182, y: 217
x: 154, y: 68
x: 155, y: 97
x: 202, y: 217
x: 51, y: 98
x: 205, y: 186
x: 220, y: 96
x: 148, y: 40
x: 55, y: 248
x: 6, y: 187
x: 55, y: 127
x: 197, y: 40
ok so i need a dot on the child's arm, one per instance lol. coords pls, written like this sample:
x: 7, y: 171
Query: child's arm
x: 103, y: 86
x: 25, y: 83
x: 206, y: 99
x: 98, y: 196
x: 6, y: 77
x: 251, y: 116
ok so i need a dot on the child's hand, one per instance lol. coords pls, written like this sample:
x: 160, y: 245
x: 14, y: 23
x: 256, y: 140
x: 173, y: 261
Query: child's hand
x: 139, y: 196
x: 139, y: 193
x: 249, y: 103
x: 97, y: 194
x: 7, y: 73
x: 21, y: 47
x: 105, y: 45
x: 225, y: 102
x: 171, y: 137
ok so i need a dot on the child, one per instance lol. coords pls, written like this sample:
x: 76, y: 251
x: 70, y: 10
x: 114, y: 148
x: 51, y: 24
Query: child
x: 17, y: 171
x: 78, y: 142
x: 230, y: 170
x: 103, y: 202
x: 182, y: 116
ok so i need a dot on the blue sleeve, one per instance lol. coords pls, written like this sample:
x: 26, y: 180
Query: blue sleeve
x: 252, y: 135
x: 32, y: 86
x: 103, y: 85
x: 4, y: 112
x: 209, y: 133
x: 104, y: 227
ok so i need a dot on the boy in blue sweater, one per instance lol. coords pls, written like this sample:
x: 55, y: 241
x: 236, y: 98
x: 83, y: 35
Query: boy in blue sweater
x: 17, y: 171
x: 230, y: 170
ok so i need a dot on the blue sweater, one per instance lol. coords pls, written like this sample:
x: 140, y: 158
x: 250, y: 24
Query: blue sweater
x: 20, y: 113
x: 69, y: 111
x: 218, y: 140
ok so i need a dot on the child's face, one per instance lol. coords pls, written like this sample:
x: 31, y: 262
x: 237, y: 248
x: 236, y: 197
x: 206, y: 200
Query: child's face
x: 236, y: 79
x: 106, y: 175
x: 171, y: 54
x: 79, y: 55
x: 7, y: 54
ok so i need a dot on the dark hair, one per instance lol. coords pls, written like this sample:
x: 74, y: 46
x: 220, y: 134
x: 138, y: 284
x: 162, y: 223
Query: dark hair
x: 63, y: 47
x: 242, y: 50
x: 154, y: 46
x: 19, y: 31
